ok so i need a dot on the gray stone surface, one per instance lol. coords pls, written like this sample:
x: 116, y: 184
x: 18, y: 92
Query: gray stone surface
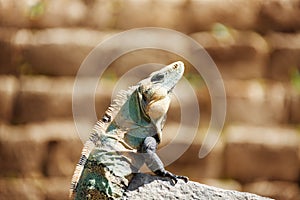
x: 144, y: 186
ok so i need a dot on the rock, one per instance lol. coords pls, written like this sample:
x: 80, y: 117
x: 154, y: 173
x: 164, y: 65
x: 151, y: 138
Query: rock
x: 189, y: 162
x: 294, y: 105
x: 262, y: 153
x: 52, y: 14
x: 227, y: 184
x: 35, y: 189
x: 10, y: 54
x: 35, y: 150
x: 39, y: 48
x: 59, y: 189
x: 45, y: 98
x: 102, y: 14
x: 42, y: 98
x: 62, y: 157
x: 256, y: 102
x: 28, y: 51
x: 185, y: 16
x: 139, y: 57
x: 19, y: 154
x: 169, y: 14
x: 182, y: 15
x: 13, y: 189
x: 237, y: 54
x: 288, y: 20
x: 8, y: 58
x: 285, y: 55
x: 144, y: 186
x: 278, y: 190
x: 62, y: 144
x: 238, y: 13
x: 42, y: 14
x: 9, y: 87
x: 13, y: 13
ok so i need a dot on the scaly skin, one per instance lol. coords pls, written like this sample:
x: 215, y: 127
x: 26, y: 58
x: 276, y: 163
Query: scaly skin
x: 126, y: 137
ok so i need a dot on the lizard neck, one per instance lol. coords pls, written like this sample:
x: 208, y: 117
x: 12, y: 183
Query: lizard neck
x: 132, y: 123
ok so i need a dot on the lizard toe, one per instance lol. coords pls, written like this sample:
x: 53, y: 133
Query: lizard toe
x: 184, y: 178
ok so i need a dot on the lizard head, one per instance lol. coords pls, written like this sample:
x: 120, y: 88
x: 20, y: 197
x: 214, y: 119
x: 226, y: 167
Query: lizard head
x: 154, y: 92
x: 160, y: 83
x: 168, y: 76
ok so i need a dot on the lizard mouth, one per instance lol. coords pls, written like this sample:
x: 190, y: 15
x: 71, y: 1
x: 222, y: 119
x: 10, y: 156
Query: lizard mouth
x: 171, y: 90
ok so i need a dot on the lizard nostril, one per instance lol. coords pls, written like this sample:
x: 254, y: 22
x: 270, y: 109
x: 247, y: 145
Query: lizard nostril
x: 175, y: 66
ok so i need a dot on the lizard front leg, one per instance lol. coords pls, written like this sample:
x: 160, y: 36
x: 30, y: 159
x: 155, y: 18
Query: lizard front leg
x: 154, y: 163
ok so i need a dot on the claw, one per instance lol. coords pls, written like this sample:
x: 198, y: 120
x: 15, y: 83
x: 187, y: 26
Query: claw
x: 172, y: 176
x: 184, y: 178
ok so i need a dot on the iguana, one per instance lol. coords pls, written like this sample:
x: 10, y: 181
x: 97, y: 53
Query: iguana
x: 127, y: 137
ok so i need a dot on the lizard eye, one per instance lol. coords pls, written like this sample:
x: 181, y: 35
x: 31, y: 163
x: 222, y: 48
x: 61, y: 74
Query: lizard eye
x: 157, y: 77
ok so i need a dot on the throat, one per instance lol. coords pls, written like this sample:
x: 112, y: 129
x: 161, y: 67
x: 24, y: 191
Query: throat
x: 158, y: 109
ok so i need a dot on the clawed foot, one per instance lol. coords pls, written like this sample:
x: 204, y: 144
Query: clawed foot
x: 174, y: 178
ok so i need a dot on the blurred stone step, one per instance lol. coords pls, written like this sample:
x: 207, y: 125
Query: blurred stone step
x: 52, y: 149
x: 10, y: 54
x: 237, y: 54
x: 195, y: 15
x: 35, y: 150
x: 9, y: 88
x: 42, y: 14
x: 41, y: 98
x: 188, y: 145
x: 278, y: 190
x: 285, y: 55
x: 257, y: 102
x: 34, y: 189
x: 60, y: 51
x: 44, y: 98
x: 294, y: 105
x: 56, y: 51
x: 262, y: 153
x: 287, y: 21
x: 189, y: 164
x: 186, y: 16
x: 226, y: 184
x: 182, y: 15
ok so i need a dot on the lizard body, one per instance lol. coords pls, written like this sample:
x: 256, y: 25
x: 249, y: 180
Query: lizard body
x: 126, y: 137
